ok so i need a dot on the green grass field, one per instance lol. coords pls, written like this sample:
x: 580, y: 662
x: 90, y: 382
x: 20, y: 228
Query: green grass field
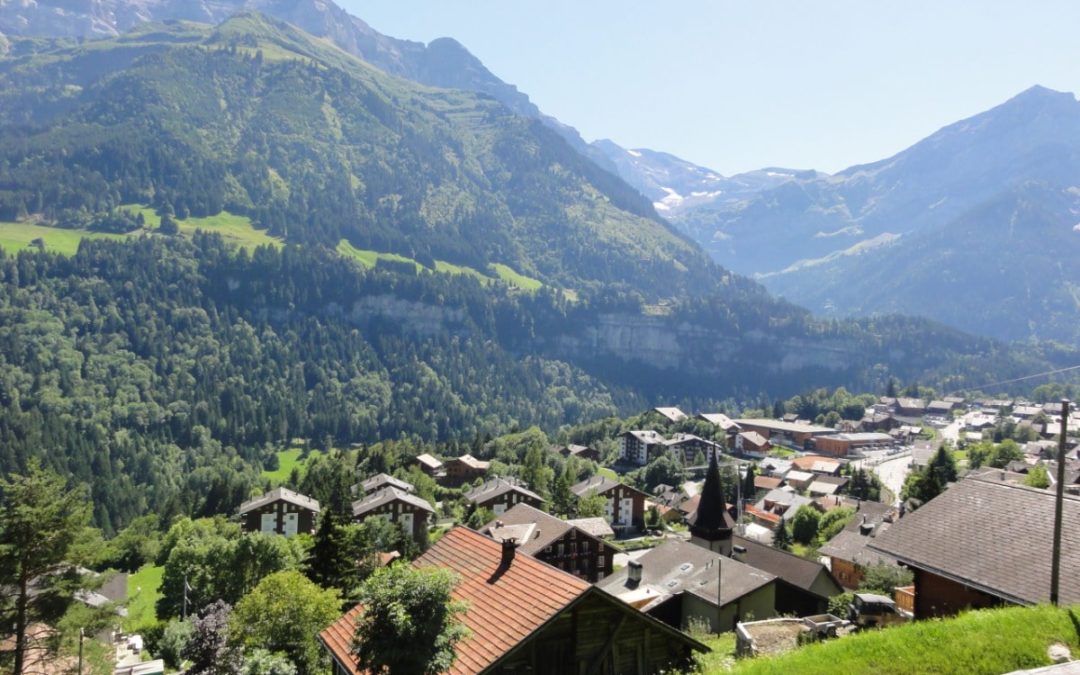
x: 370, y: 258
x: 17, y: 236
x: 988, y: 641
x: 287, y: 461
x: 512, y: 277
x: 232, y: 228
x: 143, y: 592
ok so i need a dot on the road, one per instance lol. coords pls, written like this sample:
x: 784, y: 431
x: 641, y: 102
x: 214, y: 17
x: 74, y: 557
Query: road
x: 893, y: 472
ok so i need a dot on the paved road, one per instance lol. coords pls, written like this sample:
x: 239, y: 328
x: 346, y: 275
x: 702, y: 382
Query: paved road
x: 893, y: 473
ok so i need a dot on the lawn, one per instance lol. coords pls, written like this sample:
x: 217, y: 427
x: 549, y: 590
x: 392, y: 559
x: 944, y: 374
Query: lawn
x: 17, y: 236
x: 512, y: 277
x: 143, y: 593
x: 607, y: 473
x: 287, y: 461
x: 232, y: 228
x: 722, y: 657
x: 988, y: 641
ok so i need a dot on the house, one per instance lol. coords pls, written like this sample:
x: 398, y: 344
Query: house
x: 679, y: 583
x: 940, y: 408
x: 430, y: 465
x: 803, y: 586
x: 783, y: 503
x: 686, y: 448
x: 279, y: 511
x: 825, y: 466
x: 381, y: 480
x: 848, y: 553
x: 402, y: 507
x: 827, y: 485
x: 842, y: 445
x: 910, y: 407
x: 724, y: 422
x: 764, y: 484
x: 581, y: 451
x: 982, y: 544
x: 673, y: 415
x: 800, y: 480
x: 597, y: 527
x: 795, y: 434
x: 501, y: 494
x: 751, y: 443
x: 523, y: 615
x: 464, y: 469
x: 774, y: 466
x: 625, y: 506
x: 878, y: 421
x: 1027, y: 412
x: 637, y: 447
x: 557, y: 542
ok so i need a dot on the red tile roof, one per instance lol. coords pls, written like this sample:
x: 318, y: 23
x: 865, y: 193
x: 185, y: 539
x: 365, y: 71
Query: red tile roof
x: 504, y: 606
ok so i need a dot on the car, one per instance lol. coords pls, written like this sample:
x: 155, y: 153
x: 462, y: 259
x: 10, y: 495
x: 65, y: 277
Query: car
x: 869, y: 610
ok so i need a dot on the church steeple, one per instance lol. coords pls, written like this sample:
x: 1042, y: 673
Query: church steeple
x: 711, y: 525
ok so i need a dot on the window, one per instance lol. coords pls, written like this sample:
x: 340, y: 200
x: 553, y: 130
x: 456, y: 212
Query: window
x: 600, y: 561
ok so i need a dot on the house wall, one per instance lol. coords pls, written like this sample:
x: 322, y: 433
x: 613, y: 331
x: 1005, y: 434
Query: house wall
x: 633, y: 450
x: 305, y: 518
x: 459, y: 473
x: 573, y: 642
x: 504, y: 502
x: 581, y: 555
x: 393, y: 511
x: 847, y: 573
x: 938, y: 596
x: 760, y: 604
x: 615, y: 506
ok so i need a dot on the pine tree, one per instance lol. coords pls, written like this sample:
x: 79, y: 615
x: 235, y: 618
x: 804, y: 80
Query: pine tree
x: 782, y: 538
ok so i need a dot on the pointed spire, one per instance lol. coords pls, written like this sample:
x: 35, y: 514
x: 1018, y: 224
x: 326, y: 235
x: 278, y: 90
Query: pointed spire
x: 712, y: 521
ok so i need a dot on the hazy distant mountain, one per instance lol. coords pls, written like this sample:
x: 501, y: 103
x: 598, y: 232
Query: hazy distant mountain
x: 912, y: 231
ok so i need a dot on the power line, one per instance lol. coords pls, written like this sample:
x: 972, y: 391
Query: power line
x: 1019, y: 379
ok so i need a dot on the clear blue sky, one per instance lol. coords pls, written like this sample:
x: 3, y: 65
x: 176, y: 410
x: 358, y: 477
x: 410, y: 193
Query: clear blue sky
x: 740, y: 85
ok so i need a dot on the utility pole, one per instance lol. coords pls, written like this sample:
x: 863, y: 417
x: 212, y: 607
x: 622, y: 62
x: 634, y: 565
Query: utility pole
x: 1059, y: 504
x: 81, y: 636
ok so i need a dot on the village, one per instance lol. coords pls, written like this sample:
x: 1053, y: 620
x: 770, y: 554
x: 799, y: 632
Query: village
x: 779, y: 531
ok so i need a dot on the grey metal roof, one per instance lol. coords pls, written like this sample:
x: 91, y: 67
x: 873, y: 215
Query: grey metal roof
x: 499, y: 486
x: 280, y: 494
x: 381, y: 480
x: 995, y: 537
x: 597, y: 527
x: 385, y: 496
x: 793, y: 569
x: 677, y: 566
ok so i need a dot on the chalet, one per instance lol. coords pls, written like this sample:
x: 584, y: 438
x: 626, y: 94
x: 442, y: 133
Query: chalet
x: 774, y: 466
x: 382, y: 480
x: 686, y: 447
x: 803, y: 586
x: 501, y: 494
x: 1027, y: 412
x: 848, y: 552
x: 795, y: 434
x: 597, y: 527
x: 679, y: 583
x: 430, y: 465
x: 817, y: 464
x: 638, y: 447
x: 910, y: 407
x: 782, y: 503
x: 464, y: 469
x: 842, y: 445
x: 957, y: 401
x: 581, y: 451
x: 727, y: 424
x: 557, y: 542
x: 940, y: 408
x: 525, y: 616
x: 751, y: 443
x: 878, y: 421
x: 673, y: 415
x: 412, y: 512
x: 280, y: 511
x: 827, y: 485
x: 763, y: 484
x: 982, y: 544
x: 800, y: 480
x: 624, y: 507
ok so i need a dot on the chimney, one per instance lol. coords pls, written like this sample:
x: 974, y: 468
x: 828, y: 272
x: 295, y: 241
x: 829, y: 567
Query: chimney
x: 737, y: 552
x: 508, y: 547
x: 634, y: 572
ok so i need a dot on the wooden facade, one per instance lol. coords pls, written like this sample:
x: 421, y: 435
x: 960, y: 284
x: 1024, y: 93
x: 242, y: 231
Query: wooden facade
x: 580, y: 554
x: 407, y: 510
x: 274, y: 514
x: 937, y: 596
x: 598, y: 634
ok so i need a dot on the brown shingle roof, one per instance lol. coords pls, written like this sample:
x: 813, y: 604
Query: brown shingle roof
x: 505, y: 605
x: 793, y: 569
x: 387, y: 495
x: 381, y: 480
x: 994, y: 537
x: 281, y: 494
x: 498, y: 486
x: 600, y: 484
x: 543, y: 528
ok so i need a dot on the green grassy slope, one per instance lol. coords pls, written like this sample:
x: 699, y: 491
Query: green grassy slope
x: 143, y: 593
x: 989, y: 641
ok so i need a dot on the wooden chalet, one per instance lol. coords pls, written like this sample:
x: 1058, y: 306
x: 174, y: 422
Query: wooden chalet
x: 413, y: 513
x: 525, y: 616
x: 625, y: 505
x: 280, y: 511
x: 580, y: 451
x: 501, y: 494
x: 464, y: 469
x: 559, y: 543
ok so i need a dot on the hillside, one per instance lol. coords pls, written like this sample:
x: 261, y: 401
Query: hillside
x: 985, y: 642
x: 917, y: 232
x: 256, y: 117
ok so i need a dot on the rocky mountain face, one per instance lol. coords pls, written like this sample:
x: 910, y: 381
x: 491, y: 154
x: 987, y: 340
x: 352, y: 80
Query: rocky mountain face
x: 913, y: 233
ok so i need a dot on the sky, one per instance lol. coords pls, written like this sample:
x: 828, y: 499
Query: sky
x: 736, y: 86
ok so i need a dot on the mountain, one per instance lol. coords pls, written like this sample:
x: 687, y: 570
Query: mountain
x: 442, y: 63
x: 259, y: 118
x: 838, y: 244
